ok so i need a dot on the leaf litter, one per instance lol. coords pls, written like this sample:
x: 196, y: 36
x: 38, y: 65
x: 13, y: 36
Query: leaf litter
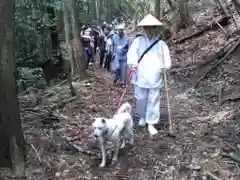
x: 58, y: 133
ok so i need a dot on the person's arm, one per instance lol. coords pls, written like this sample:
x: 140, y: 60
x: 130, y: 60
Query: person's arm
x: 167, y: 63
x: 132, y: 56
x: 113, y: 44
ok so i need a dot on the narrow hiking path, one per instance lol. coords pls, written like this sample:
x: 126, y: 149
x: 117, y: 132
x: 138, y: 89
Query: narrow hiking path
x: 193, y: 152
x: 61, y: 146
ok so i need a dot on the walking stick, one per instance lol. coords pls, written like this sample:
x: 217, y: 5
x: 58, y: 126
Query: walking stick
x: 171, y: 133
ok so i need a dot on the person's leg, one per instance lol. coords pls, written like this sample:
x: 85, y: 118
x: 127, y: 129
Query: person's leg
x: 106, y: 59
x: 123, y: 73
x: 88, y: 59
x: 116, y: 75
x: 153, y: 110
x: 102, y: 54
x: 141, y: 95
x: 108, y: 62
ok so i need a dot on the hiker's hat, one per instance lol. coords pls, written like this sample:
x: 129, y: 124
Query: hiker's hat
x: 149, y: 20
x: 120, y: 26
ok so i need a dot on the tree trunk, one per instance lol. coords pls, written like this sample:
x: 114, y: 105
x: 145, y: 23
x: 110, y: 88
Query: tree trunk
x: 68, y: 63
x: 81, y: 59
x: 237, y: 5
x: 221, y: 8
x: 97, y: 4
x: 109, y: 9
x: 93, y: 10
x: 184, y: 16
x: 69, y: 47
x: 157, y: 9
x: 11, y: 135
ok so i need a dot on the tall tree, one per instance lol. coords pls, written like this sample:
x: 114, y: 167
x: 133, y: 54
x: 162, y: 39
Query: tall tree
x: 11, y: 134
x: 237, y: 5
x: 81, y: 60
x: 183, y: 13
x: 157, y: 9
x: 69, y: 63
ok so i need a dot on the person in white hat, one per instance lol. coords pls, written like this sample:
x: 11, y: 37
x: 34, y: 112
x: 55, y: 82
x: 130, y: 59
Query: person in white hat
x: 148, y: 77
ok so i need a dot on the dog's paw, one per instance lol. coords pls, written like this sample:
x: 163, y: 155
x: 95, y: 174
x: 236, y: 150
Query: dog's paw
x: 152, y: 137
x: 102, y: 165
x: 131, y: 142
x: 114, y: 161
x: 123, y: 145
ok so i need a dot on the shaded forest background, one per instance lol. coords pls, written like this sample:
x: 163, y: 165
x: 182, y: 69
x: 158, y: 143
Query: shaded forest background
x: 45, y: 87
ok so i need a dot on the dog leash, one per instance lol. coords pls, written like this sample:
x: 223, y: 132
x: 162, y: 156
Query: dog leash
x: 130, y: 74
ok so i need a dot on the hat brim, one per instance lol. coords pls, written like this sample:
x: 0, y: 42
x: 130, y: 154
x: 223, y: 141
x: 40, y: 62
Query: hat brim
x: 149, y: 20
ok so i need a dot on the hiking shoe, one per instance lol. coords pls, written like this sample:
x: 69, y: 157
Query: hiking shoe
x: 142, y: 122
x: 152, y: 130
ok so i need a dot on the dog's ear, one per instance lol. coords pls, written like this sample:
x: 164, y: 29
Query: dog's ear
x: 103, y: 121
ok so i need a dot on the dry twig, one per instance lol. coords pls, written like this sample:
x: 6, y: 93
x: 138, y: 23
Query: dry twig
x: 38, y: 155
x: 211, y: 175
x: 218, y: 63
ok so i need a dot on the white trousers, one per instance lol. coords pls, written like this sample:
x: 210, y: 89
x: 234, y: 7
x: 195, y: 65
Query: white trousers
x: 148, y: 104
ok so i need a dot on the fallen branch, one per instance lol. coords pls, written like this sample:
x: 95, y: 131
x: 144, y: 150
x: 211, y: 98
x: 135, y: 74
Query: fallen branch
x: 38, y: 156
x: 219, y: 24
x: 231, y: 98
x: 232, y: 156
x: 212, y: 176
x: 206, y: 60
x: 217, y: 55
x: 232, y: 49
x: 223, y: 22
x: 76, y: 148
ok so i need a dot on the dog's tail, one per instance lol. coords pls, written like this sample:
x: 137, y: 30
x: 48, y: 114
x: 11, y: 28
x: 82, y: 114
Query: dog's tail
x: 126, y: 107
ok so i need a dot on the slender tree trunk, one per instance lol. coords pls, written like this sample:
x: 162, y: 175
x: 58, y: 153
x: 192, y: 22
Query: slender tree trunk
x: 237, y: 5
x: 157, y: 9
x: 11, y: 135
x: 68, y: 63
x: 72, y: 60
x: 184, y: 16
x: 221, y: 7
x: 81, y: 59
x: 93, y: 10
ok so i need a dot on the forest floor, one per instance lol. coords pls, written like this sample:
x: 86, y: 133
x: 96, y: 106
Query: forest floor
x: 205, y: 117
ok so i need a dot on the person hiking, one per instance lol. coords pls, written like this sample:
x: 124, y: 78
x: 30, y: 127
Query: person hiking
x: 148, y: 57
x: 120, y: 43
x: 109, y: 51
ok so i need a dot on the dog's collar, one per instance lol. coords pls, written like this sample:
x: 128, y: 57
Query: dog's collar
x: 109, y: 135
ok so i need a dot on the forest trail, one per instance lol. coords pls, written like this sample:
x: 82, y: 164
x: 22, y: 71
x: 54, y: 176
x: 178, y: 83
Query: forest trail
x: 58, y: 132
x: 192, y: 153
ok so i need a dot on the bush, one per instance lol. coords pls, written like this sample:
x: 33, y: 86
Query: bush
x: 30, y: 77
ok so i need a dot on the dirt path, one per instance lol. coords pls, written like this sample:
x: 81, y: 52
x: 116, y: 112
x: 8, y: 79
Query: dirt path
x: 61, y: 146
x: 187, y: 156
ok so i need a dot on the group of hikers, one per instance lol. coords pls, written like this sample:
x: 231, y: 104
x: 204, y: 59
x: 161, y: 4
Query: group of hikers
x: 112, y: 45
x: 146, y: 57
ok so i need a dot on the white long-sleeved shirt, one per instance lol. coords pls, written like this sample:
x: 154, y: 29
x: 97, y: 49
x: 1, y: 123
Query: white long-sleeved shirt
x: 109, y: 45
x: 149, y: 70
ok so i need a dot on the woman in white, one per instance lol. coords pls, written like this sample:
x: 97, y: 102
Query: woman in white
x: 148, y: 79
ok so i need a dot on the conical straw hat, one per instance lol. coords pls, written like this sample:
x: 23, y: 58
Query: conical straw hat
x: 150, y: 20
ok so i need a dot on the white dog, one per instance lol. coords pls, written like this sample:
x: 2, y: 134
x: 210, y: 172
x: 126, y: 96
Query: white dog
x: 118, y: 130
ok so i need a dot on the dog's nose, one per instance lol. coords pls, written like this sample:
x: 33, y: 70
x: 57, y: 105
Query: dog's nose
x: 95, y: 135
